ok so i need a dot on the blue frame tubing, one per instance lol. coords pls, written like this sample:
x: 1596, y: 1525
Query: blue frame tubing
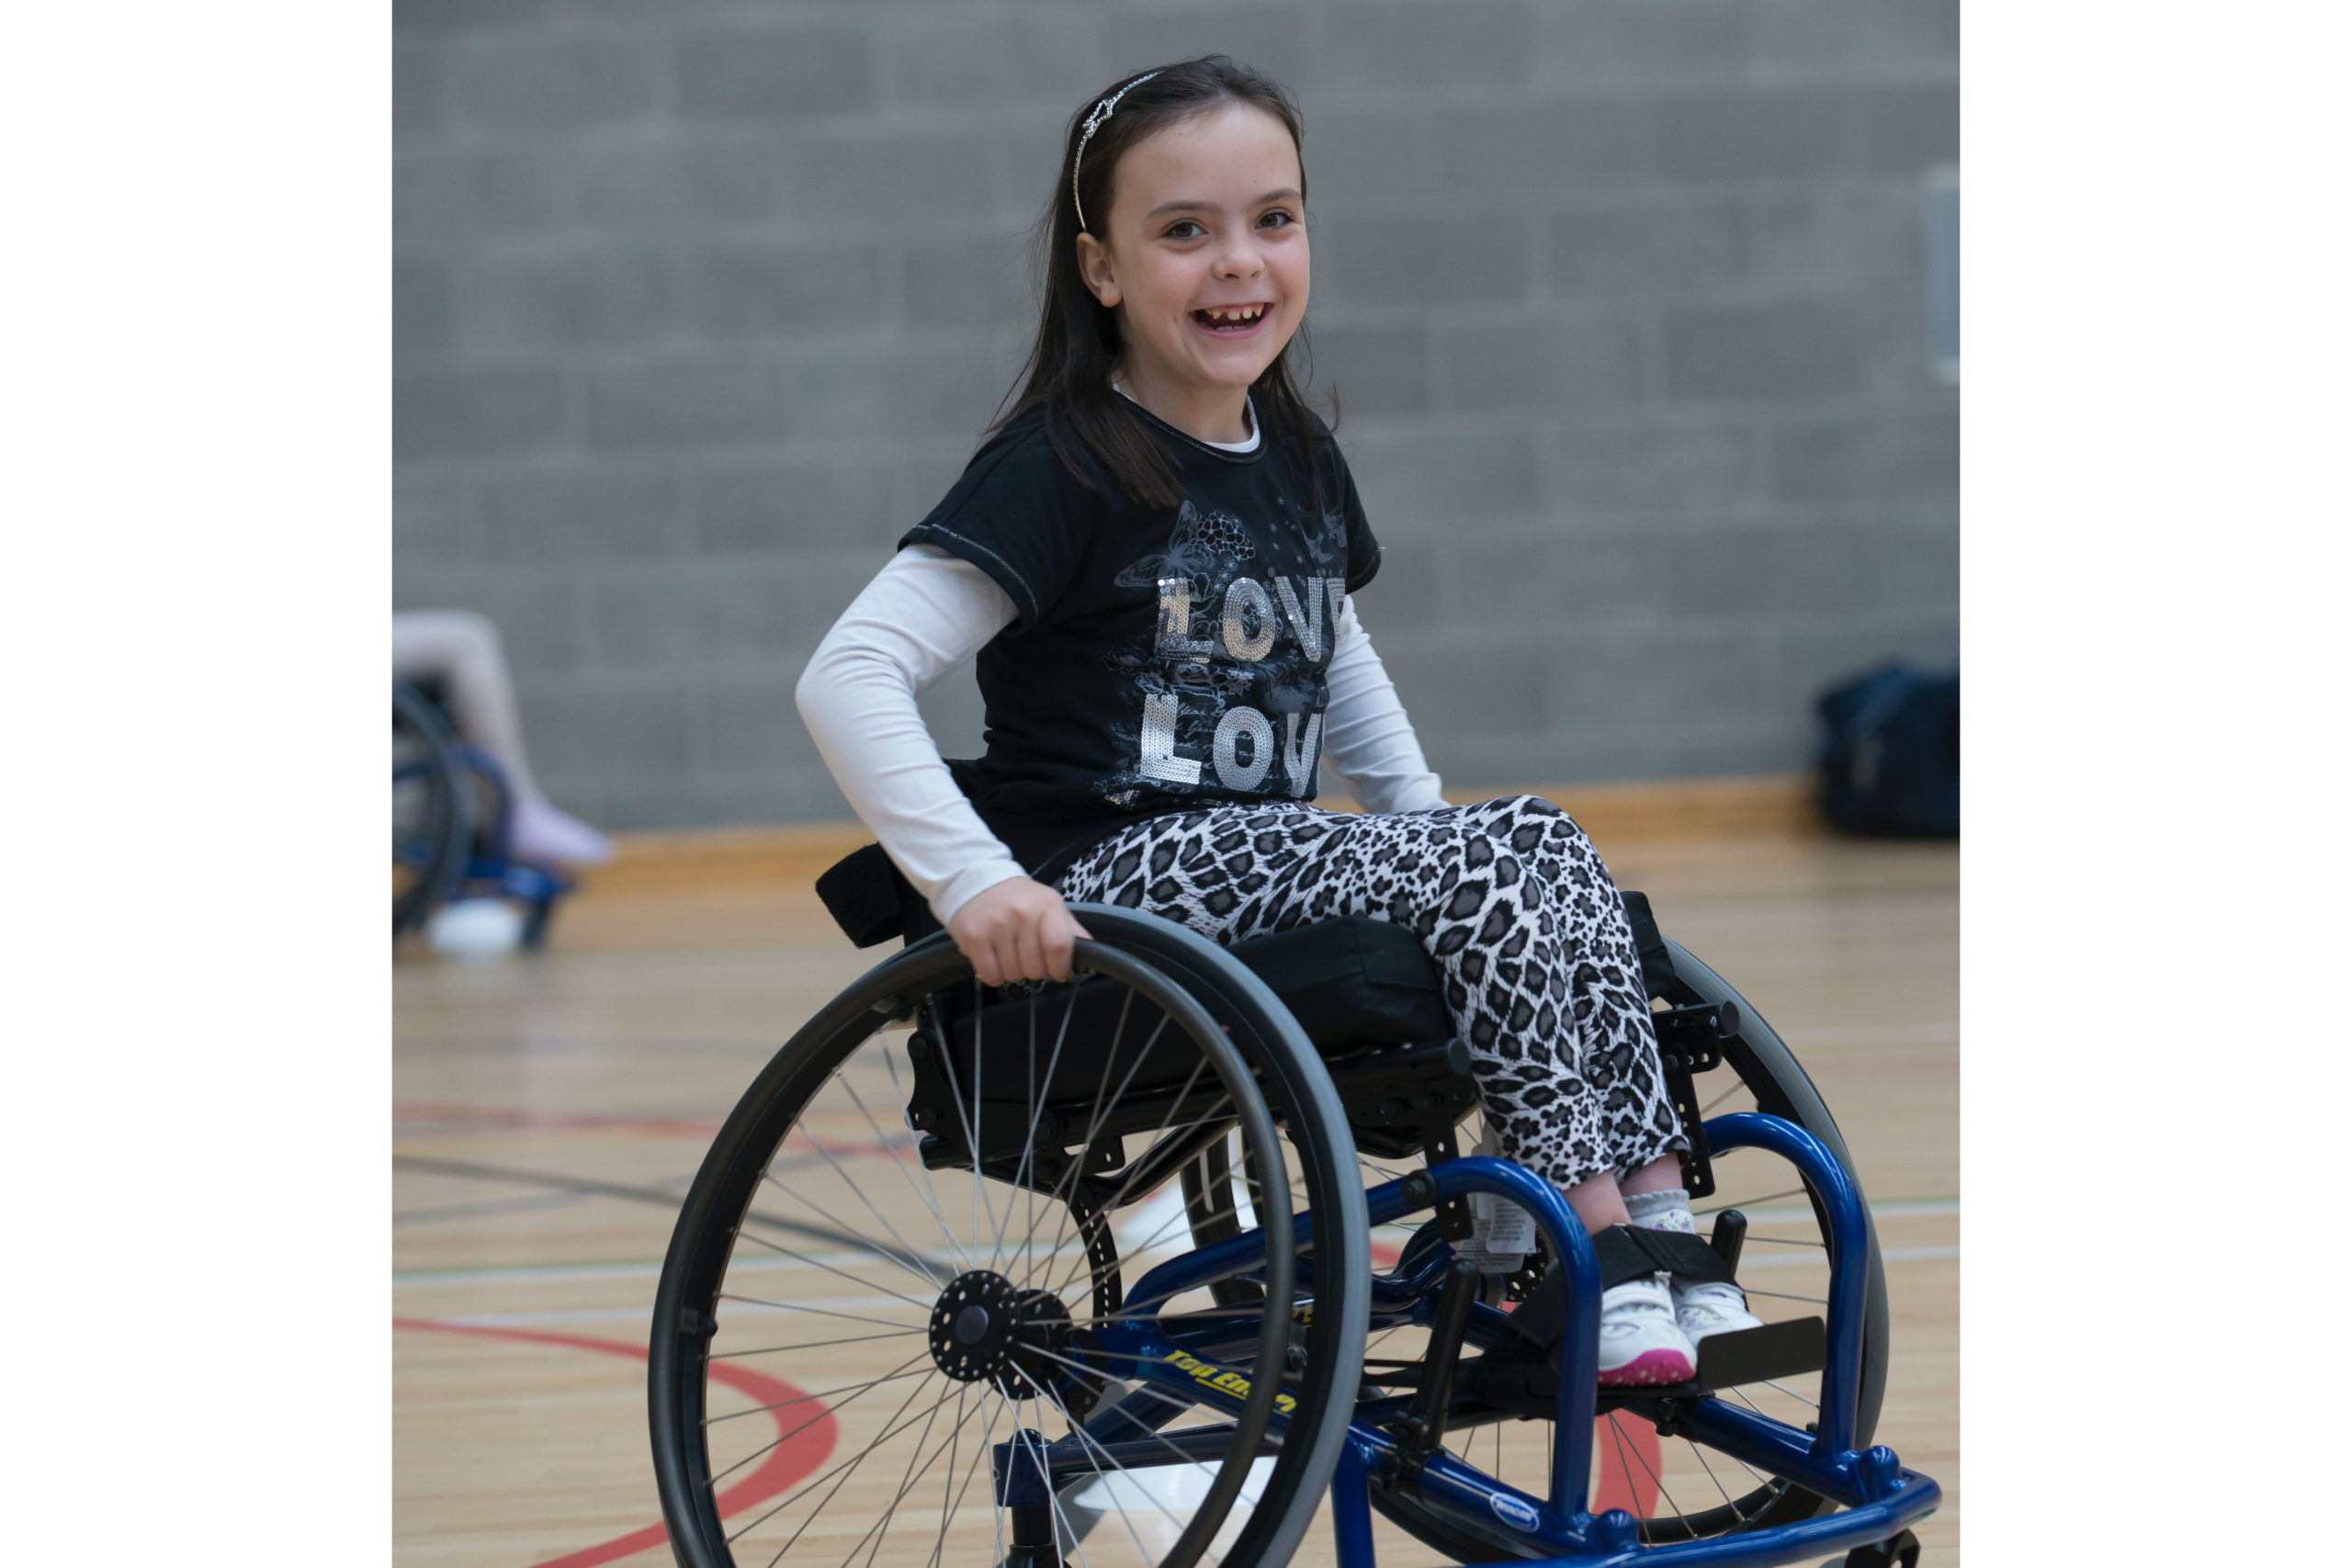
x: 494, y: 872
x: 1880, y: 1496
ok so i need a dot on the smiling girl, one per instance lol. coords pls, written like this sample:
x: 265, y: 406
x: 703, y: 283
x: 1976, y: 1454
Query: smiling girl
x: 1154, y: 557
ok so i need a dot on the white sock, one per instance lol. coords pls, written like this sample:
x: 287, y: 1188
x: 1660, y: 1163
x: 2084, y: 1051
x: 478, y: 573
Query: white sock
x: 1668, y: 1209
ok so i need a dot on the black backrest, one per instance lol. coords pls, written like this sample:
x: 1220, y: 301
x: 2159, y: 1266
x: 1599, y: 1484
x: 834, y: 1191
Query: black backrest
x: 1658, y: 963
x: 872, y: 901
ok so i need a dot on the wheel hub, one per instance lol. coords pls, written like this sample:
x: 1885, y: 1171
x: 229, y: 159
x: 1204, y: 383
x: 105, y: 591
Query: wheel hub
x: 985, y: 1328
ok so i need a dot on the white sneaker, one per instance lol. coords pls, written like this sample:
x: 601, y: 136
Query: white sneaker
x: 1641, y: 1342
x: 1701, y: 1310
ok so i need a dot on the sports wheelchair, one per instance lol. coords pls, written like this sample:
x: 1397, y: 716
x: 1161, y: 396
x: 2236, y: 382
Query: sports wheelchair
x: 451, y: 812
x: 1109, y: 1272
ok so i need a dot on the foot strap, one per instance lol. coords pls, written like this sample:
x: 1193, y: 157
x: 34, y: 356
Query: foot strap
x: 1626, y: 1253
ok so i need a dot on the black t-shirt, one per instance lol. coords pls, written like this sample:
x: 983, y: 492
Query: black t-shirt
x: 1162, y: 658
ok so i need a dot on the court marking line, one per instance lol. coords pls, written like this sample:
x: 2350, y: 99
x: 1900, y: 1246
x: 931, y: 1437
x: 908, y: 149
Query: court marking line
x: 670, y: 1202
x: 526, y: 1273
x: 796, y: 1457
x: 451, y: 1120
x: 487, y: 1208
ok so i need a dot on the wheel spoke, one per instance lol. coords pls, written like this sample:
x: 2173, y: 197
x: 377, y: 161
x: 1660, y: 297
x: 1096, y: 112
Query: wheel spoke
x: 837, y: 1474
x: 890, y: 1063
x: 1160, y: 1130
x: 906, y: 1370
x: 1619, y: 1437
x: 972, y: 1123
x: 781, y: 1438
x: 881, y: 1527
x: 1750, y: 1203
x: 818, y: 1263
x: 950, y: 1499
x: 915, y: 1262
x: 817, y: 1345
x: 1036, y: 1108
x: 1088, y: 1445
x: 1735, y: 1088
x: 1700, y: 1454
x: 1233, y: 1208
x: 1101, y: 1087
x: 804, y: 1307
x: 1793, y: 1393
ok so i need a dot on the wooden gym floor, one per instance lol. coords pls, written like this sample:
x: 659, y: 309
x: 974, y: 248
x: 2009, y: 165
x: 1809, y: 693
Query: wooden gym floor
x: 550, y: 1111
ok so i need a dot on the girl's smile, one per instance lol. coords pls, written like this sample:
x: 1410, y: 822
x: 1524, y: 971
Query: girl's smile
x: 1232, y: 321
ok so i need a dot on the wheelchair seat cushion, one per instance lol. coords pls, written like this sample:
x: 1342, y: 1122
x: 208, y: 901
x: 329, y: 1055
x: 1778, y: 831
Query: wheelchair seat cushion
x: 1354, y: 981
x: 1351, y: 983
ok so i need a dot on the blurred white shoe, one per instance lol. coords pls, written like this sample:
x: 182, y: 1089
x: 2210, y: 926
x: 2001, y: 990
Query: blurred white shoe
x: 474, y: 928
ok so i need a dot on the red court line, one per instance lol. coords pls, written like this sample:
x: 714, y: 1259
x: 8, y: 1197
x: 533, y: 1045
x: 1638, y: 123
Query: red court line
x: 793, y: 1458
x: 1635, y: 1492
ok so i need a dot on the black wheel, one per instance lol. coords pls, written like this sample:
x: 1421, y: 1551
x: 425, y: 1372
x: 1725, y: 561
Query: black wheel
x: 432, y: 822
x: 861, y: 1344
x: 1680, y: 1490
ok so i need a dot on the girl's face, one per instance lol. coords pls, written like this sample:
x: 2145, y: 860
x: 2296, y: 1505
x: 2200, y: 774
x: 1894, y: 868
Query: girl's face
x: 1203, y: 253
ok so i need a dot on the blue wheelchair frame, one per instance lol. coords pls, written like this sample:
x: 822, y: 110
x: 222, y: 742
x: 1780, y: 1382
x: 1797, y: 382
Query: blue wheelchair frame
x: 491, y: 870
x: 1880, y: 1496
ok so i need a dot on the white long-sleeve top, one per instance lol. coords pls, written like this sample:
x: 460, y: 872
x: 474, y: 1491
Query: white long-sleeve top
x: 926, y: 613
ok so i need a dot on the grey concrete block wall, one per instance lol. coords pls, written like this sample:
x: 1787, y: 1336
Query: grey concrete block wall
x: 698, y: 304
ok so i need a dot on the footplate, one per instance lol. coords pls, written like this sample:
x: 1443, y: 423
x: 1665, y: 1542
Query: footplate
x: 1758, y: 1355
x: 1725, y: 1360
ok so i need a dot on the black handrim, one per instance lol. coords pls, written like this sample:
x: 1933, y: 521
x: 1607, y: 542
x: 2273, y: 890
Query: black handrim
x: 723, y: 1193
x: 1767, y: 1069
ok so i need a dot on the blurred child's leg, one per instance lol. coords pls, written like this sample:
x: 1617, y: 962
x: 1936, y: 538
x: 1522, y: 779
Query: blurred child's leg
x: 463, y: 651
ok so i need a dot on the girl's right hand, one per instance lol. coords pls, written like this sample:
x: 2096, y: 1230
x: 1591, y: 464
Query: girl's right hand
x: 1017, y: 929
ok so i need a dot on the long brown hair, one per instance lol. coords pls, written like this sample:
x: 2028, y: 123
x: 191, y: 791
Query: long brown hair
x: 1068, y: 371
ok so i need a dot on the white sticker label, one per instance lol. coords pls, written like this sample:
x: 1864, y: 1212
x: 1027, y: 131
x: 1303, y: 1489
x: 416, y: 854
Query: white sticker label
x: 1498, y: 1224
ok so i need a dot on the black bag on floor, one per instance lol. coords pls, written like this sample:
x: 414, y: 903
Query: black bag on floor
x: 1890, y: 760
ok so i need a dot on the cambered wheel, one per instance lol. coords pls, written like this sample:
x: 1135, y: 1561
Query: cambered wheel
x: 1680, y: 1490
x: 858, y: 1342
x: 432, y: 825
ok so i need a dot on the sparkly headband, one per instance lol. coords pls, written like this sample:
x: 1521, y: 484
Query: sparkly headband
x: 1093, y: 122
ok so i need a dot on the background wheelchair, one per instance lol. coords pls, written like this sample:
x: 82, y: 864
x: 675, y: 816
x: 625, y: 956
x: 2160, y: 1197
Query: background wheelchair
x: 1133, y: 1271
x: 451, y: 811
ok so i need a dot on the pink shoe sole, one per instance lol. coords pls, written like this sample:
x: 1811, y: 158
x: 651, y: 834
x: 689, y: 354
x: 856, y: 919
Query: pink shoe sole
x: 1650, y: 1367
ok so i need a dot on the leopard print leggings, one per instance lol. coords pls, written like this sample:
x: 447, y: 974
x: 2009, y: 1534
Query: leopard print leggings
x: 1507, y: 895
